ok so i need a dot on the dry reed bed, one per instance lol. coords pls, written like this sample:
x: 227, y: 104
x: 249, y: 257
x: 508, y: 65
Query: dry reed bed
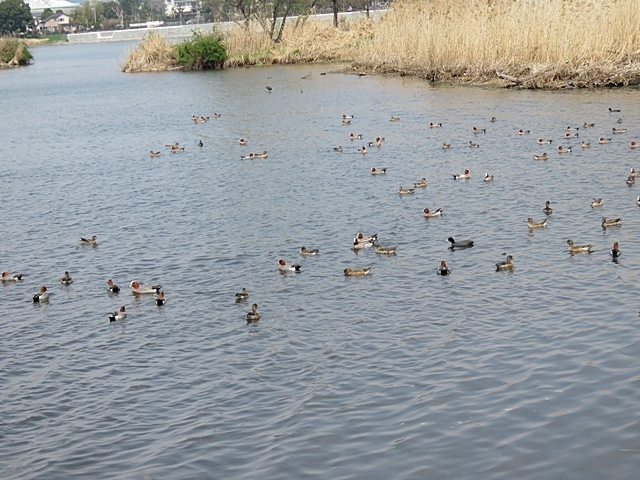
x: 529, y: 43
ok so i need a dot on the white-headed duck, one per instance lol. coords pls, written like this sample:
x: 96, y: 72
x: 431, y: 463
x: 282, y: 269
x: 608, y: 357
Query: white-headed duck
x: 118, y: 315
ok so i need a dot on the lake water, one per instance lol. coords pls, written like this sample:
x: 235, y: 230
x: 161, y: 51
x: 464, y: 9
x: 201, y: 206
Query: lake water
x: 403, y: 374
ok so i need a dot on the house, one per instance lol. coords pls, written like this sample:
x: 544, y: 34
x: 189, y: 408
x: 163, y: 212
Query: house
x: 172, y: 7
x: 58, y: 22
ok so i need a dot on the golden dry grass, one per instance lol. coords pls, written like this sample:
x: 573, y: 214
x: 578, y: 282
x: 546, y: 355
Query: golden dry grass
x: 153, y: 54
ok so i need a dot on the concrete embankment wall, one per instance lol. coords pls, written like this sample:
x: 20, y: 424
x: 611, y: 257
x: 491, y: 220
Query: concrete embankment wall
x: 186, y: 31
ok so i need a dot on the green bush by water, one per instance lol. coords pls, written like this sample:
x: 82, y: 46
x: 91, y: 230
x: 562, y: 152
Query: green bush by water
x: 14, y: 52
x: 204, y: 52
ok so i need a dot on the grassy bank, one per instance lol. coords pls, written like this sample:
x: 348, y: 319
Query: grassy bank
x: 13, y: 53
x: 50, y: 39
x: 529, y: 43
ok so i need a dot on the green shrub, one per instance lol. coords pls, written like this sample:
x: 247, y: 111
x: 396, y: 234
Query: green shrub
x: 205, y: 51
x: 14, y: 52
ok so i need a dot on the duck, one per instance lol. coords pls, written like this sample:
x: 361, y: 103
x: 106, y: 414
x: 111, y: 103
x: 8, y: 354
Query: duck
x: 633, y: 172
x: 362, y: 245
x: 355, y: 137
x: 145, y: 288
x: 506, y: 265
x: 602, y: 140
x: 173, y: 145
x: 578, y: 248
x: 11, y: 277
x: 633, y: 144
x: 66, y: 280
x: 363, y: 150
x: 405, y: 191
x: 547, y: 208
x: 337, y: 149
x: 638, y: 201
x: 614, y: 222
x: 429, y: 214
x: 194, y: 119
x: 203, y: 119
x: 160, y: 300
x: 523, y: 132
x: 618, y: 130
x: 542, y: 141
x: 562, y: 149
x: 154, y: 154
x: 361, y: 271
x: 570, y: 135
x: 544, y: 156
x: 569, y: 127
x: 488, y: 178
x: 619, y: 120
x: 473, y: 145
x: 242, y: 141
x: 479, y: 130
x: 531, y: 224
x: 394, y: 119
x: 253, y: 315
x: 615, y: 252
x: 375, y: 144
x: 446, y: 146
x: 305, y: 251
x: 586, y: 144
x: 443, y: 269
x: 200, y: 144
x: 460, y: 244
x: 421, y: 184
x: 614, y: 110
x: 242, y: 295
x: 118, y: 315
x: 42, y: 296
x: 283, y: 267
x: 89, y: 241
x: 434, y: 125
x: 347, y: 117
x: 346, y: 122
x: 493, y: 119
x: 386, y: 250
x: 597, y: 202
x: 264, y: 154
x: 588, y: 125
x: 217, y: 115
x: 251, y: 156
x: 268, y: 89
x: 378, y: 171
x: 631, y: 180
x: 176, y: 150
x: 112, y: 287
x: 360, y: 237
x: 462, y: 176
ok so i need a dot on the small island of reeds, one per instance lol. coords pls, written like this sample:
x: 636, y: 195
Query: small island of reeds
x: 13, y: 53
x: 523, y: 43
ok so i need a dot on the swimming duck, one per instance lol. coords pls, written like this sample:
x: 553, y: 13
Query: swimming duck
x: 118, y: 315
x: 544, y: 156
x: 619, y: 130
x: 604, y: 140
x: 394, y: 119
x: 462, y: 176
x: 386, y: 250
x: 614, y: 110
x: 631, y: 180
x: 542, y: 141
x: 354, y: 137
x: 638, y: 201
x: 337, y: 149
x: 578, y: 248
x: 562, y: 149
x: 378, y: 171
x: 88, y: 241
x: 443, y: 269
x: 154, y: 154
x: 41, y: 297
x: 268, y: 89
x: 361, y: 245
x: 615, y: 253
x: 488, y: 178
x: 264, y: 154
x: 160, y: 300
x: 614, y: 222
x: 347, y: 117
x: 531, y: 224
x: 203, y: 119
x: 176, y: 150
x: 362, y: 271
x: 200, y: 144
x: 633, y: 172
x: 112, y: 287
x: 66, y: 280
x: 173, y: 145
x: 251, y: 156
x: 569, y: 135
x: 460, y: 244
x: 506, y: 265
x: 283, y: 267
x: 569, y: 127
x: 619, y: 120
x: 242, y: 295
x: 586, y: 144
x: 547, y: 208
x: 473, y: 145
x: 434, y: 125
x: 145, y: 288
x: 346, y: 122
x: 253, y: 315
x: 523, y: 132
x: 597, y: 202
x: 217, y: 115
x: 11, y: 277
x: 446, y: 146
x: 428, y: 214
x: 421, y: 184
x: 479, y: 130
x: 493, y: 119
x: 194, y: 119
x: 365, y: 238
x: 242, y: 141
x: 586, y: 125
x: 363, y: 150
x: 633, y: 144
x: 304, y: 251
x: 405, y: 191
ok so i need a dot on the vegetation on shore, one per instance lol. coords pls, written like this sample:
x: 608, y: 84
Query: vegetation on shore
x: 13, y: 53
x: 527, y: 43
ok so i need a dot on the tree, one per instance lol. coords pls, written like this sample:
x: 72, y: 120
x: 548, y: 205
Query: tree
x: 15, y: 16
x: 46, y: 12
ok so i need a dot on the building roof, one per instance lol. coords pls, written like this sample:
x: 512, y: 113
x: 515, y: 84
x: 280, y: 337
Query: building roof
x: 51, y: 17
x: 39, y: 5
